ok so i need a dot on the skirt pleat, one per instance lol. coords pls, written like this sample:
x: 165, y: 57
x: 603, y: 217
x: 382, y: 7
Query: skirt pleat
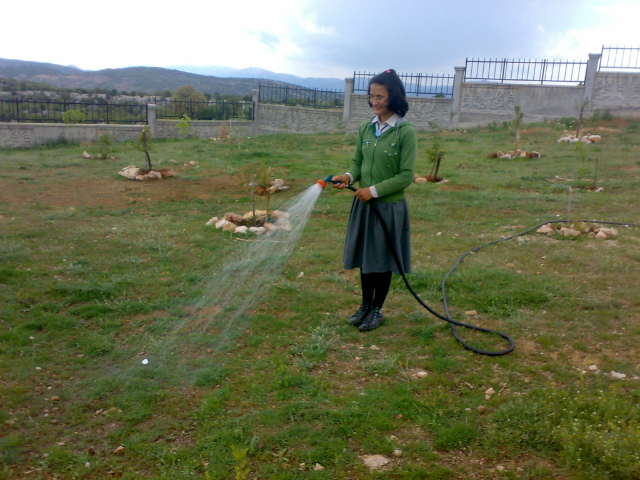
x: 366, y: 246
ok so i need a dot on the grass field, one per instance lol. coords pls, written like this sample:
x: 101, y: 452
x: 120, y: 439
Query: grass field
x: 97, y: 273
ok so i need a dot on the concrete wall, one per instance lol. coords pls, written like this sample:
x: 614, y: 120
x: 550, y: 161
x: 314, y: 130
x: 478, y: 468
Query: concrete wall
x: 617, y: 92
x: 23, y: 135
x: 486, y: 103
x: 282, y: 119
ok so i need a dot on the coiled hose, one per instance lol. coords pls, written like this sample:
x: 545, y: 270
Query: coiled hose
x: 451, y: 321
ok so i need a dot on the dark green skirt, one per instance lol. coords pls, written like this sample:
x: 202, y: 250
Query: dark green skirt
x: 366, y: 246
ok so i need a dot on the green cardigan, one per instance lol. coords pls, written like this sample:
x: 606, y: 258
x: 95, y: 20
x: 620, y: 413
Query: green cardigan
x: 388, y: 163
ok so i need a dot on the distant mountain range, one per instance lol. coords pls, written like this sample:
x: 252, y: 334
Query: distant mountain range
x: 227, y: 81
x: 253, y: 72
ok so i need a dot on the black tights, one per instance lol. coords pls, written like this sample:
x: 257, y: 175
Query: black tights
x: 375, y: 287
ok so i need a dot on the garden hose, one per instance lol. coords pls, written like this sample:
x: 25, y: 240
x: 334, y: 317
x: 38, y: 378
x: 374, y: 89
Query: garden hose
x: 448, y: 318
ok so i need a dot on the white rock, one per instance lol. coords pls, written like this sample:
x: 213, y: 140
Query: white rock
x: 546, y: 229
x: 317, y: 467
x: 241, y: 229
x: 212, y: 221
x: 256, y: 230
x: 154, y: 175
x: 270, y: 227
x: 574, y: 140
x: 374, y: 347
x: 145, y: 361
x: 617, y: 375
x: 130, y: 172
x: 593, y: 368
x: 375, y: 461
x: 300, y: 275
x: 422, y: 374
x: 569, y: 232
x: 85, y: 155
x: 599, y: 189
x: 221, y: 223
x: 279, y: 214
x: 490, y: 391
x: 608, y: 232
x: 229, y: 227
x: 601, y: 235
x: 283, y: 223
x: 397, y: 453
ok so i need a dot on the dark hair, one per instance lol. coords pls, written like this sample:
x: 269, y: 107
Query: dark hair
x: 397, y: 96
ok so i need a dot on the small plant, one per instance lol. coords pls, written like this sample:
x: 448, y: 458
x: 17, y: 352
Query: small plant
x: 579, y: 125
x: 242, y: 467
x: 606, y: 116
x: 224, y: 127
x: 516, y: 124
x: 144, y: 144
x: 105, y: 145
x: 73, y: 116
x: 184, y: 125
x: 434, y: 155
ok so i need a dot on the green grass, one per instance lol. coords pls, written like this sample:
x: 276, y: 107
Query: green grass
x: 98, y: 273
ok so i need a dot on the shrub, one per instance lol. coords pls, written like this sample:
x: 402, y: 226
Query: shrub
x: 73, y: 116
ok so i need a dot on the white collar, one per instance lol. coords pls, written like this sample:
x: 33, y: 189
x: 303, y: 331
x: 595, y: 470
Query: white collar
x: 391, y: 121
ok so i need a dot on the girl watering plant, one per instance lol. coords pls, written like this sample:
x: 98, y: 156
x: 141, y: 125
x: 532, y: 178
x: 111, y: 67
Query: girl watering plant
x: 383, y: 165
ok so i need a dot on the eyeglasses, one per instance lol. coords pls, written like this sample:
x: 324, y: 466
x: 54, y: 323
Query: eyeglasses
x: 379, y: 98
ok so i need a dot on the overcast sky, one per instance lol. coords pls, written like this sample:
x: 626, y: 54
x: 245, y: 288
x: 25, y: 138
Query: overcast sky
x: 313, y: 38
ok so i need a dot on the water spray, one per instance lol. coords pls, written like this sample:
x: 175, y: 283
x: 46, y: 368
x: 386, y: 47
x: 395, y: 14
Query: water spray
x: 447, y: 318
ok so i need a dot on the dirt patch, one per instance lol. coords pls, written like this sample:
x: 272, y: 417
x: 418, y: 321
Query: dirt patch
x: 456, y: 188
x: 114, y: 193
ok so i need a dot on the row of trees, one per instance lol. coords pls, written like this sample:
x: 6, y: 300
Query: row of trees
x: 42, y: 91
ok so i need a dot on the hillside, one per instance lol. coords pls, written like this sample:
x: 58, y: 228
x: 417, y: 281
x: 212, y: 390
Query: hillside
x: 309, y: 82
x: 145, y: 79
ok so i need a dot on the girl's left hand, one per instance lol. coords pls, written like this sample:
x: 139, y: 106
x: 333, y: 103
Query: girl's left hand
x: 364, y: 194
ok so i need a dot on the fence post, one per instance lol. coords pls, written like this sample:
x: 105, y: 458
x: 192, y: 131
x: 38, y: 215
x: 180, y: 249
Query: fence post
x: 151, y: 119
x: 590, y: 78
x: 256, y: 111
x: 457, y: 89
x: 544, y: 71
x: 348, y: 91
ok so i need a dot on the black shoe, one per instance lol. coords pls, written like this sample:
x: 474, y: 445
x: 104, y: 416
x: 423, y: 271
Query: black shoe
x: 358, y: 317
x: 372, y: 321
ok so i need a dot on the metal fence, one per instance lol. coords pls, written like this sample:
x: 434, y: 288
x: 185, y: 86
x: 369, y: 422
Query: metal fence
x: 210, y: 110
x: 620, y: 57
x: 41, y: 111
x: 523, y: 71
x: 414, y: 84
x: 301, y: 97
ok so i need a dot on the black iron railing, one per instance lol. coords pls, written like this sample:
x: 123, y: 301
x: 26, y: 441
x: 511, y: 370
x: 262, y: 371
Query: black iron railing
x: 301, y: 97
x: 210, y: 110
x: 41, y: 111
x: 620, y: 57
x: 526, y: 71
x: 414, y: 84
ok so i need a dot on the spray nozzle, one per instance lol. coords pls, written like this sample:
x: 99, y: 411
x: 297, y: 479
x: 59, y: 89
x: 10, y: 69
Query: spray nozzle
x: 324, y: 181
x: 329, y: 179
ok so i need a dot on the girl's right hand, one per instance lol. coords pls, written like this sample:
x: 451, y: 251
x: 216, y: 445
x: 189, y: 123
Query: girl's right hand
x: 342, y: 179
